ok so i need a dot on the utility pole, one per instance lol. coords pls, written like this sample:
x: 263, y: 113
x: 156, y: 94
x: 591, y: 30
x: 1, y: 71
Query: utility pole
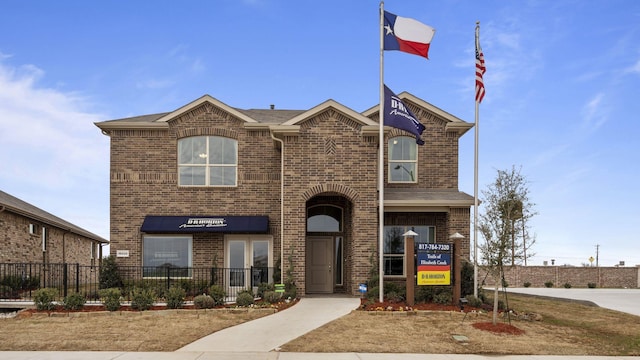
x: 597, y: 253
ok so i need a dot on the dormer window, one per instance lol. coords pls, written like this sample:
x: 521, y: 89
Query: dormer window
x: 207, y: 161
x: 403, y: 160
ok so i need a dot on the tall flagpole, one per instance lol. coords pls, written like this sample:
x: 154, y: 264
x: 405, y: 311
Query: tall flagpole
x: 475, y: 185
x: 381, y: 163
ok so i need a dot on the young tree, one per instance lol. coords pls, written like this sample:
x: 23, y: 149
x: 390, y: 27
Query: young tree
x: 503, y: 225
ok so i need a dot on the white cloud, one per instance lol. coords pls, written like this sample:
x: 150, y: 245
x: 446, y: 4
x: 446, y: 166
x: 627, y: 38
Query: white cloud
x: 52, y: 154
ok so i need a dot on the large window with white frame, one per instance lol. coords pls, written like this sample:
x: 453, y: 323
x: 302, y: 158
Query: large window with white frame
x: 162, y: 252
x: 403, y: 160
x: 394, y: 258
x: 207, y: 161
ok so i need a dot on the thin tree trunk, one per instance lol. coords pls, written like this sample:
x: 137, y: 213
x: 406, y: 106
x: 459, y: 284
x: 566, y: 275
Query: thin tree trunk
x: 495, y: 302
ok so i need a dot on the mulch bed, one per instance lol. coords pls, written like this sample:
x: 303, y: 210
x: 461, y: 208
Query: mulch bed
x: 498, y: 328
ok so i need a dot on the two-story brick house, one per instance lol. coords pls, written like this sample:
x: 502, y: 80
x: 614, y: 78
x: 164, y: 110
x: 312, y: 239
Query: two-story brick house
x: 212, y: 185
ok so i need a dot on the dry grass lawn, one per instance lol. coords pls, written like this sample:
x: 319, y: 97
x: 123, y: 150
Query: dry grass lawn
x: 567, y: 328
x: 166, y: 330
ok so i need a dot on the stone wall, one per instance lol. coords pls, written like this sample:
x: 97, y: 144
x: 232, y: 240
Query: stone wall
x: 606, y: 277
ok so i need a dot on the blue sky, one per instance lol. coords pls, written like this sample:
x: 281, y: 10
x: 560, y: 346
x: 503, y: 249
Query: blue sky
x: 562, y: 103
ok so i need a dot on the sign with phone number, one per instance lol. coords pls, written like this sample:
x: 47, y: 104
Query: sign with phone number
x: 434, y: 264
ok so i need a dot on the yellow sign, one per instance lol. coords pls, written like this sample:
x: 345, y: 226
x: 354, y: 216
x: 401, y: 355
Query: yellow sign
x: 434, y: 277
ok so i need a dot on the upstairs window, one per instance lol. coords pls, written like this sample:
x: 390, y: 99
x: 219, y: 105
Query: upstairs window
x: 207, y: 161
x: 403, y: 160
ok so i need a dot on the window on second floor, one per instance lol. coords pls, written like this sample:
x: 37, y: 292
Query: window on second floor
x: 403, y: 160
x: 207, y: 161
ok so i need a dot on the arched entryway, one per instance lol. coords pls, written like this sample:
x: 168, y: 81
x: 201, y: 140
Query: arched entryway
x: 328, y: 225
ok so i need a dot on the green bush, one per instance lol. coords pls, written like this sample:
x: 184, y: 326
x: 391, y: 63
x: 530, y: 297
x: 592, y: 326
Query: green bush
x: 591, y: 285
x: 142, y: 299
x: 111, y: 298
x: 6, y: 292
x: 442, y: 298
x: 175, y: 297
x: 218, y: 294
x: 567, y: 286
x: 244, y: 298
x: 109, y: 276
x: 203, y: 302
x: 473, y: 301
x: 548, y: 284
x: 264, y: 287
x: 527, y: 284
x: 44, y: 298
x: 271, y: 297
x: 74, y: 301
x: 20, y: 283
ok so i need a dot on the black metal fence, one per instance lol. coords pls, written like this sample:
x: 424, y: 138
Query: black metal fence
x: 18, y: 282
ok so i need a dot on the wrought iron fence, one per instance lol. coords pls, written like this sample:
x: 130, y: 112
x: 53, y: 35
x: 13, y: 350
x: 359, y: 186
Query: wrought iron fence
x: 18, y: 282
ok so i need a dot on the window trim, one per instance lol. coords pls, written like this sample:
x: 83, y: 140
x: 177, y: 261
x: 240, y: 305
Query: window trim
x: 207, y: 166
x: 399, y: 163
x: 189, y: 238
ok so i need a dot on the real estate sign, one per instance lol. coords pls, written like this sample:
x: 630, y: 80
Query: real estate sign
x: 434, y: 264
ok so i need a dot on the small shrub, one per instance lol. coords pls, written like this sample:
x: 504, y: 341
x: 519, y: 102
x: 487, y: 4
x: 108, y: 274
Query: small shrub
x: 527, y: 284
x: 44, y: 298
x: 394, y: 297
x: 443, y: 298
x: 473, y: 301
x: 271, y: 297
x: 175, y: 297
x: 142, y: 299
x: 505, y: 284
x: 567, y: 286
x: 218, y: 294
x: 74, y: 301
x: 264, y: 287
x: 111, y: 298
x: 203, y: 302
x: 244, y: 298
x: 109, y: 276
x: 591, y: 285
x: 548, y: 284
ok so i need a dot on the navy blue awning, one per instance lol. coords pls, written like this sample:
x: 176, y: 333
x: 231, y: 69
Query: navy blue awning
x: 197, y: 224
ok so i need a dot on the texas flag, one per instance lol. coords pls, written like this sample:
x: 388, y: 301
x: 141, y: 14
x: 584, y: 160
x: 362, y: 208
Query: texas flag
x: 408, y: 35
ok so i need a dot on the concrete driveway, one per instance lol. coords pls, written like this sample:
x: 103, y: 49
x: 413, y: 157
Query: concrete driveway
x: 625, y: 300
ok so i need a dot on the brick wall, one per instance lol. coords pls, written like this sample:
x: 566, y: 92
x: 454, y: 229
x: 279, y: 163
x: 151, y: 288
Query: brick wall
x: 19, y: 246
x: 608, y: 277
x: 329, y: 157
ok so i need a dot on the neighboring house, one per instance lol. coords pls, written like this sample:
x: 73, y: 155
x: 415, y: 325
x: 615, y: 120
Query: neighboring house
x: 210, y: 185
x: 31, y: 235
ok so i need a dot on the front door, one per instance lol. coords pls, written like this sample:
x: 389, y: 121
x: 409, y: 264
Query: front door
x: 319, y: 260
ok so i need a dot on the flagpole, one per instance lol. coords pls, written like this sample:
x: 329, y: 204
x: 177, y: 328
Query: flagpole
x: 381, y: 164
x: 475, y: 186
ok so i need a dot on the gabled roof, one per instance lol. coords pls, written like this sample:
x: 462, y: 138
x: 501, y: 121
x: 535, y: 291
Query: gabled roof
x: 330, y: 104
x: 204, y: 99
x: 280, y: 121
x: 453, y: 122
x: 17, y: 206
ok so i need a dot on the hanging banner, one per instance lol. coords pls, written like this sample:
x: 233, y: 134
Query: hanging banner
x: 434, y: 264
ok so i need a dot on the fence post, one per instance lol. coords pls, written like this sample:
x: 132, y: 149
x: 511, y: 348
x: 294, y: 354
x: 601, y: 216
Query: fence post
x: 65, y: 279
x: 77, y: 277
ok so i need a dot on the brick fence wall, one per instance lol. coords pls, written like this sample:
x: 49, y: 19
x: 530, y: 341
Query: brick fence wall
x: 606, y: 277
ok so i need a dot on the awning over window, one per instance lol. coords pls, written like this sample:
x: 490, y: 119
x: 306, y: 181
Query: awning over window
x: 197, y: 224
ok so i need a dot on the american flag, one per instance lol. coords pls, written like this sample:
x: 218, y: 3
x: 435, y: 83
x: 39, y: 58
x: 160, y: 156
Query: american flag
x: 480, y: 69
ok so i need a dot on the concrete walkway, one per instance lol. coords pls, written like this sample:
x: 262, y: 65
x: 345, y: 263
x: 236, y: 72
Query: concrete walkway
x: 270, y: 332
x: 624, y: 300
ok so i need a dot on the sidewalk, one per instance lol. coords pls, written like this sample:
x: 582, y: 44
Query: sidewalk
x: 270, y: 332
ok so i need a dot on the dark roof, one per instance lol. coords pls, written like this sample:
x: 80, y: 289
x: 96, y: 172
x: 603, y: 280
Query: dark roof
x: 17, y: 206
x: 426, y: 197
x: 271, y: 116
